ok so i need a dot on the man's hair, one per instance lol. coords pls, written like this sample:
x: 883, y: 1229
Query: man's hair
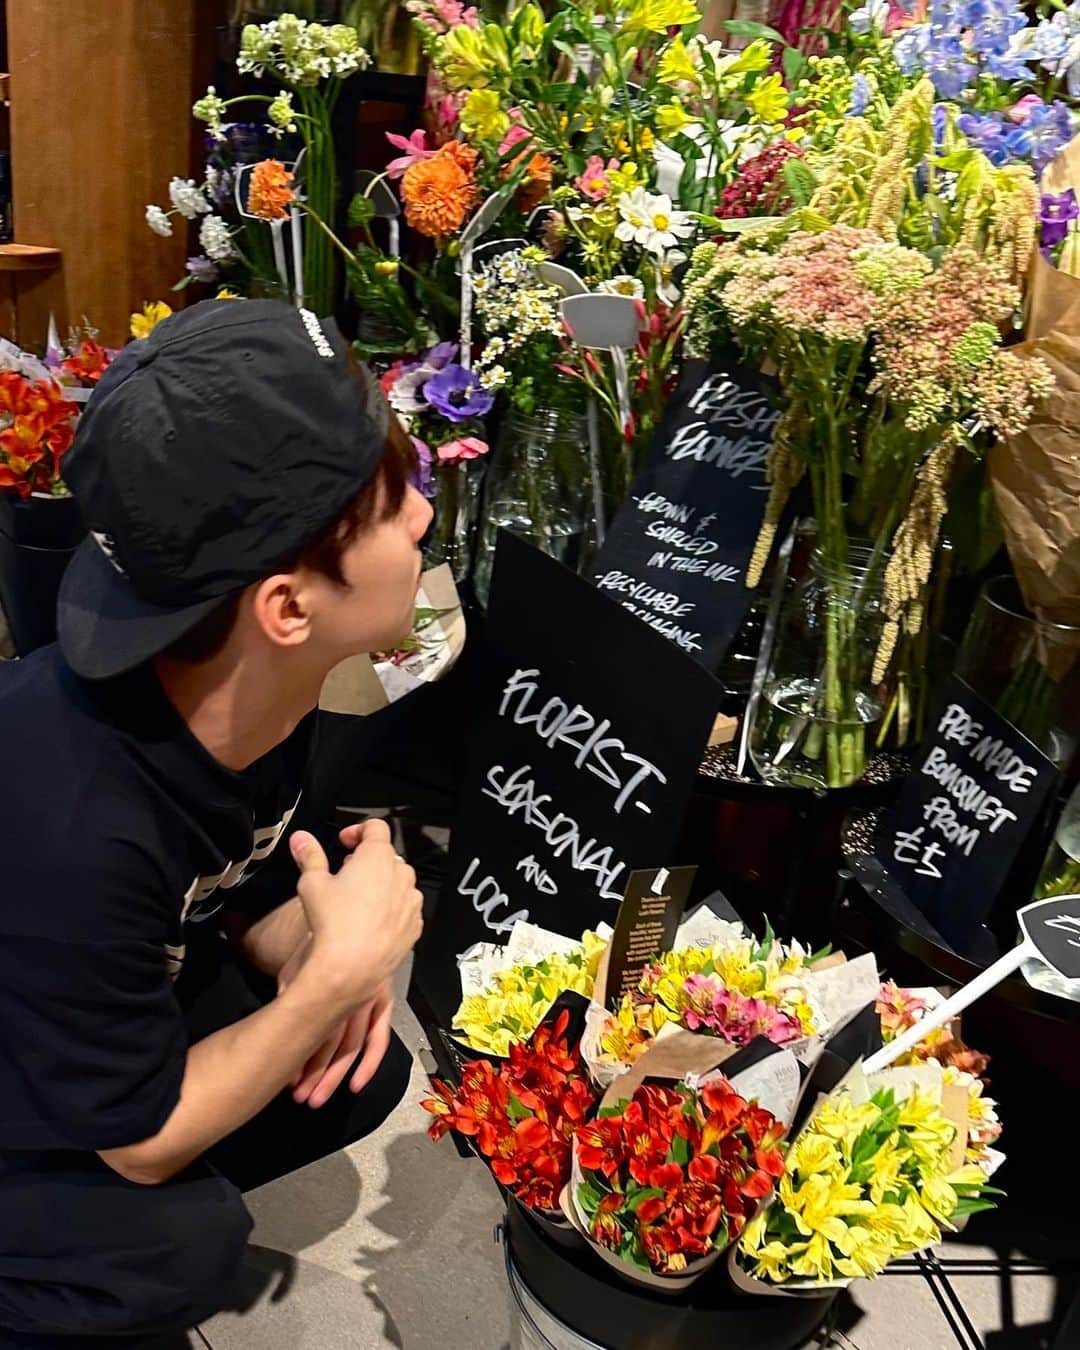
x: 379, y: 499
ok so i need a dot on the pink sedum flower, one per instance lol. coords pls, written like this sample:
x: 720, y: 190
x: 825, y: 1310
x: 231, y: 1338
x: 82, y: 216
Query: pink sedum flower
x: 1022, y: 108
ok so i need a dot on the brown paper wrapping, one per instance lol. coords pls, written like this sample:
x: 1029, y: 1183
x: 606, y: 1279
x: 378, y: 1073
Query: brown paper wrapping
x: 1036, y: 475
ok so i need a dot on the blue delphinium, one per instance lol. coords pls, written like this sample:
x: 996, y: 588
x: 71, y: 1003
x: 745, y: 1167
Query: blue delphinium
x: 860, y: 96
x: 986, y: 132
x: 1046, y: 130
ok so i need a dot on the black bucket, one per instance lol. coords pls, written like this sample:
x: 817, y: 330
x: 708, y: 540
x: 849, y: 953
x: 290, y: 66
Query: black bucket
x: 594, y: 1309
x: 38, y: 535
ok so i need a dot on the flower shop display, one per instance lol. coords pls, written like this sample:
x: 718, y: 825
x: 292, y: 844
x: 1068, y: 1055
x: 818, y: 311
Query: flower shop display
x: 890, y: 362
x: 521, y: 1116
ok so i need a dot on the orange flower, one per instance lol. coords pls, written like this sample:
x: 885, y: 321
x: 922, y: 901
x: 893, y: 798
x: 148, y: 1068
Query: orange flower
x: 537, y: 183
x: 440, y: 192
x: 269, y: 190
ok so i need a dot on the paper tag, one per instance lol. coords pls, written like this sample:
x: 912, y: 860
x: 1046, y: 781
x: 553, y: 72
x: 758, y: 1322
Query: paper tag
x: 648, y: 919
x: 704, y: 929
x: 529, y: 944
x: 1052, y: 927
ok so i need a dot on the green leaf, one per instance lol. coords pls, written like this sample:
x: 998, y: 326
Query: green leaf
x: 748, y: 29
x: 801, y: 184
x: 589, y: 1197
x: 515, y: 1109
x: 681, y: 1152
x: 794, y: 63
x: 361, y: 210
x: 184, y: 282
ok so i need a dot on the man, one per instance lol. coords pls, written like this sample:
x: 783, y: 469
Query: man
x: 164, y: 1031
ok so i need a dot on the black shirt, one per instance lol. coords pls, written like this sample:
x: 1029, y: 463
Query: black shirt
x: 118, y: 833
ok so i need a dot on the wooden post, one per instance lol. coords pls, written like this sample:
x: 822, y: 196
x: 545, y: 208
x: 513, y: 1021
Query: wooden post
x: 100, y: 121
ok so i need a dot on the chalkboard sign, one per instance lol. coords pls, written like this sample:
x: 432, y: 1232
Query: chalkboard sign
x: 677, y: 552
x: 976, y: 789
x: 649, y: 918
x: 1053, y: 929
x: 585, y: 736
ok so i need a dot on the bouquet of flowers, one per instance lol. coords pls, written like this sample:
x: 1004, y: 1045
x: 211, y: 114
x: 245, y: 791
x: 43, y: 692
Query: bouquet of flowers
x: 873, y: 1176
x: 308, y: 61
x: 734, y: 990
x: 521, y: 1116
x: 962, y: 1066
x: 507, y: 999
x: 40, y: 402
x: 666, y: 1180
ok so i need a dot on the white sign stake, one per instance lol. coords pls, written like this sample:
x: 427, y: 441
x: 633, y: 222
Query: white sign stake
x: 1051, y: 935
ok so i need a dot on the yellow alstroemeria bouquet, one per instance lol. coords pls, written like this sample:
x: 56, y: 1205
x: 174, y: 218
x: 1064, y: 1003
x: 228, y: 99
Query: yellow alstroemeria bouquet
x: 516, y: 1000
x: 864, y: 1183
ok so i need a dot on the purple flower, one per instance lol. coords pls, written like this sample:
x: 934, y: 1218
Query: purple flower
x: 1047, y: 128
x: 986, y: 132
x: 1056, y: 211
x: 202, y: 270
x: 406, y: 394
x: 457, y: 394
x: 1049, y: 44
x: 422, y: 479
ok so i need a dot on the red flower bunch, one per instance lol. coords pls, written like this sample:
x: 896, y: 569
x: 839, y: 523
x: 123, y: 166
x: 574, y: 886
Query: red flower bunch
x: 760, y: 189
x: 87, y: 363
x: 522, y: 1115
x: 36, y: 427
x: 675, y: 1174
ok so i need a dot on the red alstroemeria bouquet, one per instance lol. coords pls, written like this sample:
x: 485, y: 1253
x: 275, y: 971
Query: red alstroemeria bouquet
x: 37, y: 425
x: 674, y: 1174
x: 522, y: 1114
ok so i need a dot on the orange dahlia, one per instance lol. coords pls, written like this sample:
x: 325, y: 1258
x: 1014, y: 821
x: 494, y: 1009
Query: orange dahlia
x: 270, y: 190
x: 440, y: 192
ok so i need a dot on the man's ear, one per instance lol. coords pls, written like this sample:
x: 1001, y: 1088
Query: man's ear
x: 280, y: 607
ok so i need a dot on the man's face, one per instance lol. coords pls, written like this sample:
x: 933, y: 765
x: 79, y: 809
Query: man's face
x: 382, y: 569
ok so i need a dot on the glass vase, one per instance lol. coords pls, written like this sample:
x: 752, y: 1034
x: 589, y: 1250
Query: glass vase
x: 540, y: 488
x: 813, y: 725
x: 450, y: 537
x: 1026, y: 668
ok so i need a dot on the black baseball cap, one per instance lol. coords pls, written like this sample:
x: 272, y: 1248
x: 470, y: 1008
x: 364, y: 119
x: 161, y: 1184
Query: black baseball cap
x: 209, y: 454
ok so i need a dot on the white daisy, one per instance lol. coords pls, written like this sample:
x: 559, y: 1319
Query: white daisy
x: 624, y: 285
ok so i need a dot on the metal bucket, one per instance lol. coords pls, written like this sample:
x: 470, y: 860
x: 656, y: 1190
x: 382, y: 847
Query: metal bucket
x: 532, y: 1326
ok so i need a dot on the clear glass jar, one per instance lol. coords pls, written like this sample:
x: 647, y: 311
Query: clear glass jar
x: 539, y: 487
x: 1028, y: 670
x: 818, y: 704
x: 450, y: 537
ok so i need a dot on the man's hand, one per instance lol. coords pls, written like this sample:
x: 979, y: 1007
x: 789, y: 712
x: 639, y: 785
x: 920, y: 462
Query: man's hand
x: 364, y: 919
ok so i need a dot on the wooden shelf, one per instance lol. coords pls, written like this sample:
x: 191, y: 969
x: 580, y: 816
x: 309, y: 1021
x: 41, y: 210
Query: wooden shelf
x: 28, y: 258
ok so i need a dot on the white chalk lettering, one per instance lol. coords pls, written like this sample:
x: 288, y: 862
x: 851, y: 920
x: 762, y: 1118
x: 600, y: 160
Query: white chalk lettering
x: 487, y: 896
x: 1005, y: 764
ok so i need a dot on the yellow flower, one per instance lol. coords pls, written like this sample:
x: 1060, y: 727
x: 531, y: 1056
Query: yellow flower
x: 887, y: 1163
x: 768, y: 100
x: 755, y: 57
x: 624, y: 179
x: 657, y: 16
x: 471, y: 58
x: 482, y: 116
x: 226, y: 294
x: 672, y: 118
x: 772, y: 1260
x: 529, y: 28
x: 868, y: 1254
x: 812, y: 1153
x: 676, y: 65
x: 153, y: 311
x: 815, y: 1262
x: 927, y: 1132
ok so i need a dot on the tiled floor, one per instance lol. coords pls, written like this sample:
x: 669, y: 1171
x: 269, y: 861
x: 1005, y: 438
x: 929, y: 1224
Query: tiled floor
x: 392, y: 1245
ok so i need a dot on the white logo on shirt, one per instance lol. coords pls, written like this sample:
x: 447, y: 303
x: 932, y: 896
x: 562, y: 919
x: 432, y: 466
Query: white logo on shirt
x: 263, y: 843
